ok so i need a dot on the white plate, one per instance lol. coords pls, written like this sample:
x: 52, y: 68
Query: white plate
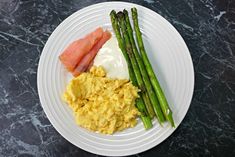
x: 169, y: 56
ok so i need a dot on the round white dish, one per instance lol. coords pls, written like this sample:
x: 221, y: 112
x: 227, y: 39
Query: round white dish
x: 170, y: 59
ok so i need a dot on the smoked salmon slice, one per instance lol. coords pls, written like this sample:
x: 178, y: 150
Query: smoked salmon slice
x: 87, y: 60
x: 74, y: 53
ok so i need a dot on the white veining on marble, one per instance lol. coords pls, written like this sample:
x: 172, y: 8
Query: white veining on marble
x: 221, y: 13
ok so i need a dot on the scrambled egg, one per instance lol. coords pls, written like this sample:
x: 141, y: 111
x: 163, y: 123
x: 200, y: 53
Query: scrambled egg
x: 102, y: 104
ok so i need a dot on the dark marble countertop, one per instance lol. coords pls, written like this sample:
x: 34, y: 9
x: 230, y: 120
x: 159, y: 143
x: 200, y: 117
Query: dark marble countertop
x: 208, y: 28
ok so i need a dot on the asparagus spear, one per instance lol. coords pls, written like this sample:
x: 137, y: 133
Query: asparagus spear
x: 143, y: 93
x: 139, y: 102
x: 143, y: 71
x: 161, y: 97
x: 136, y: 69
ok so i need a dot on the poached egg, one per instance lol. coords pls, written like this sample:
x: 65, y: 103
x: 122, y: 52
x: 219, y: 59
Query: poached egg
x: 111, y: 58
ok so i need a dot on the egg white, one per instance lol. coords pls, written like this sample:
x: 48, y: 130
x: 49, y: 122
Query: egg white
x: 111, y: 58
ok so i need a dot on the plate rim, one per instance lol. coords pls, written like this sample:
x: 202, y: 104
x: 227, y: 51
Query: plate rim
x: 143, y: 149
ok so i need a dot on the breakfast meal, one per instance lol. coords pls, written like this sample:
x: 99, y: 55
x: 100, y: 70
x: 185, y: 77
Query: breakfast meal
x: 102, y: 104
x: 103, y: 99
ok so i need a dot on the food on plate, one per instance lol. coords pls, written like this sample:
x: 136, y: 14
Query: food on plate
x: 111, y: 59
x: 74, y: 53
x: 100, y: 103
x: 88, y: 58
x: 140, y: 69
x: 140, y: 73
x: 106, y: 101
x: 154, y: 81
x: 144, y: 115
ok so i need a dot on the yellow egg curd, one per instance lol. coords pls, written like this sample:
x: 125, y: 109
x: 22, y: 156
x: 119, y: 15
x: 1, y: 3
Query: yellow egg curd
x: 102, y: 104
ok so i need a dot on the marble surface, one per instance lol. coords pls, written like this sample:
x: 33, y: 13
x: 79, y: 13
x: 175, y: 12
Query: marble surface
x: 208, y: 28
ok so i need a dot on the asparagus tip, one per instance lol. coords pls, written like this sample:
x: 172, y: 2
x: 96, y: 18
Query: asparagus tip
x: 125, y: 11
x: 113, y: 12
x: 134, y: 12
x: 120, y: 15
x: 134, y: 9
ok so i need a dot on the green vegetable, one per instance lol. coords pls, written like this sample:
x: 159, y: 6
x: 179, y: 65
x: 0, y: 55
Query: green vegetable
x: 154, y: 81
x: 139, y: 102
x: 141, y: 65
x: 146, y: 88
